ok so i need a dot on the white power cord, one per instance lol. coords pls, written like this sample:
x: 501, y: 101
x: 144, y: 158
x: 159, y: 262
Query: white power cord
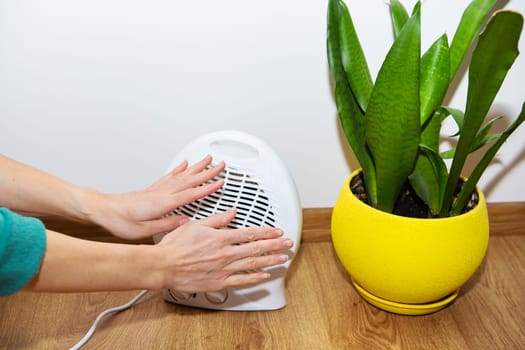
x: 90, y: 332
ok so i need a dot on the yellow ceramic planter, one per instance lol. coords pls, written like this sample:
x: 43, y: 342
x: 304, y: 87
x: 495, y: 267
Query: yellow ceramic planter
x: 407, y: 265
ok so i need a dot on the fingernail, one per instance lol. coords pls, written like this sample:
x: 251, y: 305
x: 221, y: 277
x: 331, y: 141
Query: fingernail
x: 288, y: 242
x: 283, y: 258
x: 279, y: 232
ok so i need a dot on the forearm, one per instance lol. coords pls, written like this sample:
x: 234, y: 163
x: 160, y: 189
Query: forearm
x: 29, y: 190
x: 196, y: 257
x: 130, y: 215
x: 75, y: 265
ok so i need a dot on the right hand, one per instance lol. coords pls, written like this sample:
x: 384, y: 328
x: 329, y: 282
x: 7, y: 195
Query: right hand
x: 139, y: 214
x: 203, y: 256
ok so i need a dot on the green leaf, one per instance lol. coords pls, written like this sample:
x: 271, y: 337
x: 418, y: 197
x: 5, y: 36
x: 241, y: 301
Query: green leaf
x: 435, y: 69
x: 493, y: 56
x: 477, y: 145
x: 354, y: 61
x: 482, y: 138
x: 458, y: 116
x: 474, y: 177
x: 399, y: 16
x: 426, y: 180
x: 393, y: 116
x: 488, y: 126
x: 429, y: 178
x: 350, y: 115
x: 469, y: 26
x: 431, y: 131
x: 449, y: 154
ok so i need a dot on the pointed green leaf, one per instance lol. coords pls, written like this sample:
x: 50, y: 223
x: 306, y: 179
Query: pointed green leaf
x: 488, y: 126
x: 477, y: 145
x: 474, y: 177
x: 449, y: 154
x: 426, y: 180
x: 399, y: 16
x: 435, y: 69
x: 431, y: 131
x: 458, y: 116
x: 469, y: 26
x: 429, y: 178
x: 493, y: 56
x: 350, y: 115
x: 393, y: 117
x: 424, y: 183
x: 354, y: 61
x: 482, y: 138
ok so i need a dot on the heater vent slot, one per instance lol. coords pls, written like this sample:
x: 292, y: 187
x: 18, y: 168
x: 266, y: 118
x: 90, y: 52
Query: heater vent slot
x: 240, y: 190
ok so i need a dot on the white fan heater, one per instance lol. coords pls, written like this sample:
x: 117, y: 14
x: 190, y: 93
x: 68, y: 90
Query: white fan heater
x: 259, y: 186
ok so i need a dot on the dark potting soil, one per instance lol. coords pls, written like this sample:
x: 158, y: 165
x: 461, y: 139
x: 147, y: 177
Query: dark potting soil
x: 408, y: 204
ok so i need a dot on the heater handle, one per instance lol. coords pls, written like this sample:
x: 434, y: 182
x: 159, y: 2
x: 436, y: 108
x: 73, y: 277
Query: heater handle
x: 234, y: 148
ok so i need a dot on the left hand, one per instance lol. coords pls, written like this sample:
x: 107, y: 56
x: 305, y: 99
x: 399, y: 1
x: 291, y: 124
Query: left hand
x: 141, y: 214
x: 204, y: 255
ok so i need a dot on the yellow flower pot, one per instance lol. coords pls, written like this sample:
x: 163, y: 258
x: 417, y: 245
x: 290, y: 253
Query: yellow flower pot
x: 407, y: 265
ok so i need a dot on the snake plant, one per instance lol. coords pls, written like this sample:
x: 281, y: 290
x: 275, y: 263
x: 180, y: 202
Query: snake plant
x: 393, y: 124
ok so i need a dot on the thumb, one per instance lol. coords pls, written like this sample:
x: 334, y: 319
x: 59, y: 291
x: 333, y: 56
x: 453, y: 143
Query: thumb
x: 165, y: 224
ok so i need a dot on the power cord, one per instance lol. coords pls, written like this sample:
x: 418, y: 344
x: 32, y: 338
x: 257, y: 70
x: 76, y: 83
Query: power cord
x: 91, y: 330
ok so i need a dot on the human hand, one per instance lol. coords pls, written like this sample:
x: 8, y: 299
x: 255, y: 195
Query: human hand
x: 140, y: 214
x: 200, y: 257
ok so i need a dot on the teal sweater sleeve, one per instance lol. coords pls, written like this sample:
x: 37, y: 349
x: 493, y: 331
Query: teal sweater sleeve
x: 22, y: 247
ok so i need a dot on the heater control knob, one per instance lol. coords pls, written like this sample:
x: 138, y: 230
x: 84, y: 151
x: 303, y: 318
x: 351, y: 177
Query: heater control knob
x: 179, y: 296
x: 218, y: 297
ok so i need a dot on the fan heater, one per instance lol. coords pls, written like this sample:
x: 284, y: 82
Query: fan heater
x: 258, y: 185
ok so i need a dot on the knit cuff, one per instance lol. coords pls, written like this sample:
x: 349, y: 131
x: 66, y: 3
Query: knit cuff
x: 22, y: 248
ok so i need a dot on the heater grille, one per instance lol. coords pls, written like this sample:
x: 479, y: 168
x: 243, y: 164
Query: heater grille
x: 241, y: 191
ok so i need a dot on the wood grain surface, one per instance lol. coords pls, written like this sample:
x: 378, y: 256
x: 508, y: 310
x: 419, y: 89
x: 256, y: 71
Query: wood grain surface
x: 323, y: 311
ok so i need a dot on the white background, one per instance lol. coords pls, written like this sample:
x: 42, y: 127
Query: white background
x: 103, y: 93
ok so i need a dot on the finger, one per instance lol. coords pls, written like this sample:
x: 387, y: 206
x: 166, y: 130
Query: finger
x: 219, y: 220
x: 179, y: 181
x: 192, y: 194
x: 257, y: 262
x: 236, y: 280
x: 205, y: 175
x: 171, y: 174
x: 259, y: 248
x: 170, y: 202
x: 179, y: 168
x: 249, y: 234
x: 164, y: 224
x: 200, y: 165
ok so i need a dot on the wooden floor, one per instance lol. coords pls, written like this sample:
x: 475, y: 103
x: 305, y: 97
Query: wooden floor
x: 323, y: 311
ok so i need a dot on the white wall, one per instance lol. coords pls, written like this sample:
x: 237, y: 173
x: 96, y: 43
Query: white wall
x: 104, y: 92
